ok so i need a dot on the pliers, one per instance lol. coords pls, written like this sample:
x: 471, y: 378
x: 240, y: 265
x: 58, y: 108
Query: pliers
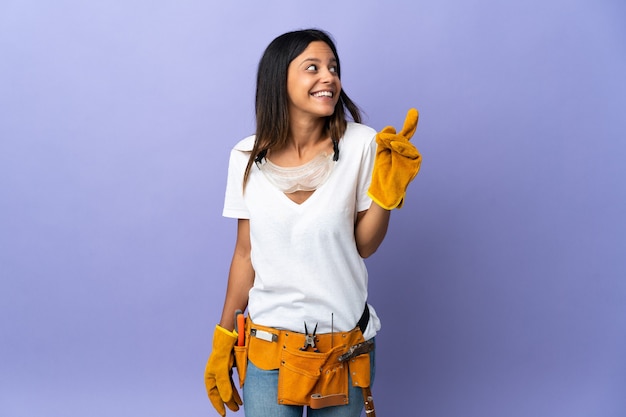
x: 309, y: 338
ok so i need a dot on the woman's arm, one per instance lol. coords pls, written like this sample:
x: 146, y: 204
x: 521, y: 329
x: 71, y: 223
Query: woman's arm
x: 240, y: 277
x: 370, y: 229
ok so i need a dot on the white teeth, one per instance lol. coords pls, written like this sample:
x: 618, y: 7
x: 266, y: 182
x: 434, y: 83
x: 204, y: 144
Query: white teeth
x: 323, y: 94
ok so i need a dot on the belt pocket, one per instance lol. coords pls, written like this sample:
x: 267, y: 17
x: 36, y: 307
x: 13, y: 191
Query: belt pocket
x: 302, y: 374
x: 360, y: 370
x: 264, y: 354
x: 241, y: 360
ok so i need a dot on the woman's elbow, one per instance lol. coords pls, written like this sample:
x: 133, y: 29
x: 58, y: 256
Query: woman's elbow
x: 366, y: 251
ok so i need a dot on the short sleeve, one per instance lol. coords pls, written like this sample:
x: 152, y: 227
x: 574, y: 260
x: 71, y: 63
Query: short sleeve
x: 234, y: 202
x: 365, y: 174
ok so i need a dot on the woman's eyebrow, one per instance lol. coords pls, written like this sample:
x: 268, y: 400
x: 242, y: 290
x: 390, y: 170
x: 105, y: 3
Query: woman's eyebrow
x: 317, y: 60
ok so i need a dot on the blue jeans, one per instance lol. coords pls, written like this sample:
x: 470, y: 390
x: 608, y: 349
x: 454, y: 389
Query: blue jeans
x: 260, y: 396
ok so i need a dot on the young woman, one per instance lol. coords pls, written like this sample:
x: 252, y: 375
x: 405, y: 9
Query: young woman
x: 302, y: 189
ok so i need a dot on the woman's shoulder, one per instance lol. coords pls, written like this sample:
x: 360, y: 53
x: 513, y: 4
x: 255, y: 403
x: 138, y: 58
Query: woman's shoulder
x: 360, y: 130
x: 245, y: 145
x: 358, y: 135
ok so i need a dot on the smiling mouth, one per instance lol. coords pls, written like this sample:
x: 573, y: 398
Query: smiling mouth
x: 323, y: 94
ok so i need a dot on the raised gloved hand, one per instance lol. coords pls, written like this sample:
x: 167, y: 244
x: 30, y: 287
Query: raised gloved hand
x: 397, y: 163
x: 218, y: 372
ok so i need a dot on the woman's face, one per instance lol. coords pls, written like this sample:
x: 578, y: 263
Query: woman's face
x: 313, y: 84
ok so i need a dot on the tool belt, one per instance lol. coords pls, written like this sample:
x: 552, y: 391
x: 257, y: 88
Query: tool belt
x: 314, y: 378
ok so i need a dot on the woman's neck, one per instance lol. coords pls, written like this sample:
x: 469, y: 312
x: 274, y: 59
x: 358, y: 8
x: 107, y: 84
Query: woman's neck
x: 306, y: 140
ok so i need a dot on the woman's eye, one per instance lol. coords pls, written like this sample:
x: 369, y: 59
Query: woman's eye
x: 314, y: 67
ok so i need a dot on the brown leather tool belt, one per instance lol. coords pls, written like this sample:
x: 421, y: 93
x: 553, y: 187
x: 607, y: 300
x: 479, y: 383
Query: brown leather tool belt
x: 313, y: 377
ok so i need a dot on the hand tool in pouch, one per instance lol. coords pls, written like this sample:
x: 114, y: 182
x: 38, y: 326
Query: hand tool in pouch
x: 356, y: 350
x: 240, y: 327
x: 310, y: 339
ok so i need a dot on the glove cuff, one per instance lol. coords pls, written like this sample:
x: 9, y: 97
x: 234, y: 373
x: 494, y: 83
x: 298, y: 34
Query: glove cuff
x: 227, y: 332
x: 387, y: 206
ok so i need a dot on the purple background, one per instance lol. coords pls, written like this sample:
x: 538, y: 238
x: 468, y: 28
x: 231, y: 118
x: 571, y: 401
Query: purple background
x: 500, y: 285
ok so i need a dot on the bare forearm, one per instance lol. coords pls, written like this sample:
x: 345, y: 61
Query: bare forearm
x: 239, y: 283
x: 240, y: 278
x: 370, y: 229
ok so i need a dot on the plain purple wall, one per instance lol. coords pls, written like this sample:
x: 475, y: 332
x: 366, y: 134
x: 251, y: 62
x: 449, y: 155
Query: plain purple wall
x: 501, y: 285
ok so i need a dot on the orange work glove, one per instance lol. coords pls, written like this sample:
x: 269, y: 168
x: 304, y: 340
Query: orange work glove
x: 219, y: 370
x: 396, y: 164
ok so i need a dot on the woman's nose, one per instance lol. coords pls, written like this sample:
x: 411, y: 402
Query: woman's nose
x: 327, y: 75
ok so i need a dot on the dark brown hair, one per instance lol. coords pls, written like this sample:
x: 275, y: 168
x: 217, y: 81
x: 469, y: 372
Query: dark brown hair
x: 271, y: 103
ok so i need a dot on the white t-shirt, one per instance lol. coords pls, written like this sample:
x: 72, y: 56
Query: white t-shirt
x: 307, y: 268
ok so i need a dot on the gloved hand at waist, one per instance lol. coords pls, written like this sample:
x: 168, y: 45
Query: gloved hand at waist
x: 218, y: 372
